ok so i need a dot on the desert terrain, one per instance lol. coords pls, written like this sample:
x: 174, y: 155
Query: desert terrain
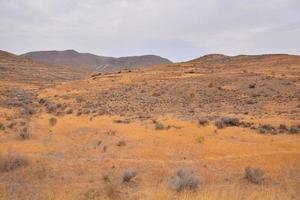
x: 216, y: 127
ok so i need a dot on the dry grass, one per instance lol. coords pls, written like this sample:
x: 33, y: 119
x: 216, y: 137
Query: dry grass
x: 12, y: 162
x: 232, y: 193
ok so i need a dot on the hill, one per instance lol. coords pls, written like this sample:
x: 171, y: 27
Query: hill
x: 89, y: 61
x: 17, y: 69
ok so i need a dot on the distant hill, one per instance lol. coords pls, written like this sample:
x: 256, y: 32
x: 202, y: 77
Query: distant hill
x: 89, y: 61
x: 213, y: 61
x: 18, y: 69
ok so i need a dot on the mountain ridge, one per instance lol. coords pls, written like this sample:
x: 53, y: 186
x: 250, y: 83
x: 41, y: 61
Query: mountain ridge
x: 90, y: 61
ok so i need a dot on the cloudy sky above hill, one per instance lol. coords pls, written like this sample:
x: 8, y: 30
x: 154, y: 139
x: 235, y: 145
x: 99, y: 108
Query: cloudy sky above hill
x: 176, y: 29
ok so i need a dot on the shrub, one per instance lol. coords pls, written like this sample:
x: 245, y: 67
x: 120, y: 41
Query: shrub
x: 120, y: 121
x: 229, y: 121
x: 51, y: 107
x: 159, y: 126
x: 24, y: 133
x: 52, y: 121
x: 254, y: 175
x: 219, y: 124
x: 128, y: 176
x: 267, y: 128
x: 12, y: 162
x: 252, y: 85
x: 184, y: 179
x: 294, y: 129
x: 203, y: 121
x: 2, y: 126
x: 282, y: 128
x: 43, y: 101
x: 121, y: 143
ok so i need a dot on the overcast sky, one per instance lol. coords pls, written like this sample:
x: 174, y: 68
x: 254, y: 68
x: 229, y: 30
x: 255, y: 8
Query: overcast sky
x: 176, y: 29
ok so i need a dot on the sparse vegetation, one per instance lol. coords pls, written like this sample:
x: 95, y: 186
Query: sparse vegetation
x: 219, y: 124
x: 121, y: 143
x: 226, y: 122
x: 254, y: 175
x: 154, y: 120
x: 128, y: 176
x: 230, y: 121
x: 108, y: 186
x: 294, y: 129
x: 121, y: 121
x: 203, y: 121
x: 24, y: 133
x: 12, y: 162
x: 92, y: 195
x: 267, y: 128
x: 252, y: 85
x: 52, y: 121
x: 160, y: 126
x: 2, y: 126
x: 184, y: 179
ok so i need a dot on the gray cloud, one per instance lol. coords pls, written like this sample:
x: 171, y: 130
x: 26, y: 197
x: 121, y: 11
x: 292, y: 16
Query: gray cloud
x: 176, y: 29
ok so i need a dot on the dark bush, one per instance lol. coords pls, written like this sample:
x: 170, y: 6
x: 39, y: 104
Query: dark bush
x: 294, y: 129
x: 121, y: 143
x: 51, y: 107
x: 267, y: 128
x: 12, y: 162
x: 159, y: 126
x: 254, y: 175
x: 282, y: 128
x: 24, y: 133
x: 121, y: 121
x: 229, y: 121
x: 128, y: 176
x: 219, y: 124
x: 252, y: 85
x: 184, y: 179
x: 203, y: 121
x: 43, y: 101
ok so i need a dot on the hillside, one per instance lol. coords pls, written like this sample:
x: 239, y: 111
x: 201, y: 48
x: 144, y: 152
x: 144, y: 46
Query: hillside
x: 186, y: 130
x: 89, y: 61
x: 22, y: 70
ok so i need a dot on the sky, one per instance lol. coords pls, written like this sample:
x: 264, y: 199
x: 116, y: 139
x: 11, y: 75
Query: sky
x: 176, y: 29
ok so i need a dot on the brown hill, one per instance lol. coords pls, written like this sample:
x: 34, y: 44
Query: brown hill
x: 18, y: 69
x: 94, y: 62
x: 267, y: 60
